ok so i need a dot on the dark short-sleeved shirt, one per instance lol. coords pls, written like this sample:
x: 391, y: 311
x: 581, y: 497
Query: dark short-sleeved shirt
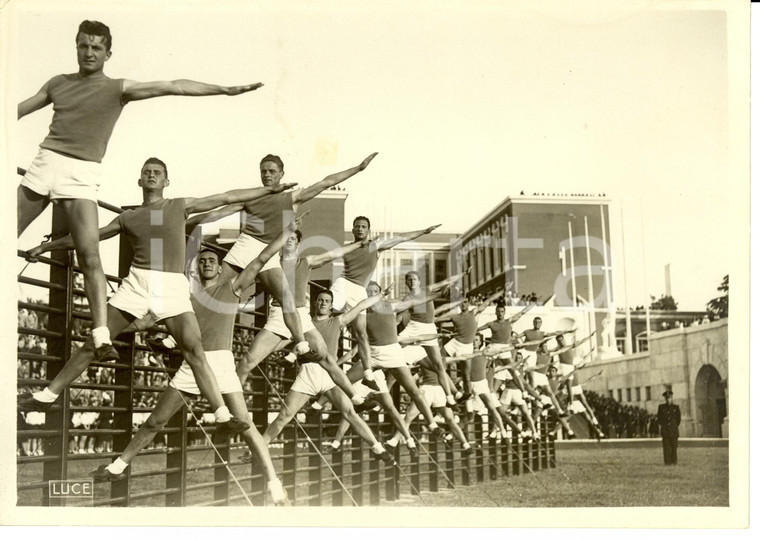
x: 157, y: 235
x: 381, y: 325
x: 423, y: 312
x: 465, y: 327
x: 266, y: 217
x: 329, y: 328
x: 297, y: 273
x: 85, y: 111
x: 533, y: 335
x: 501, y: 331
x: 215, y: 308
x: 359, y: 265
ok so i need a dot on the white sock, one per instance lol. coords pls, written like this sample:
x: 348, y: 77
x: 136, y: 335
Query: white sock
x: 222, y: 414
x: 466, y: 445
x: 377, y: 448
x: 301, y: 348
x: 433, y: 426
x: 336, y: 444
x: 393, y: 442
x: 169, y: 342
x: 45, y: 395
x: 316, y: 405
x: 101, y: 336
x: 117, y: 466
x: 410, y: 443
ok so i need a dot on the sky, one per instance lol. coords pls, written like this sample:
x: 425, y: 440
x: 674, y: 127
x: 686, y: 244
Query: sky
x: 465, y: 103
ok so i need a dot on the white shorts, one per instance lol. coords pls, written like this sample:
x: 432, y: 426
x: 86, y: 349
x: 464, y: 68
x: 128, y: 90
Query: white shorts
x: 276, y: 322
x: 312, y: 380
x: 364, y: 391
x: 434, y: 396
x: 162, y: 293
x: 565, y: 369
x: 388, y: 356
x: 35, y: 418
x: 415, y: 329
x: 512, y: 396
x: 530, y: 358
x: 245, y: 250
x: 222, y: 364
x: 413, y: 354
x: 76, y: 419
x: 454, y: 348
x: 540, y: 379
x: 576, y: 407
x: 576, y: 390
x: 480, y: 388
x: 346, y: 295
x: 56, y: 176
x: 502, y: 375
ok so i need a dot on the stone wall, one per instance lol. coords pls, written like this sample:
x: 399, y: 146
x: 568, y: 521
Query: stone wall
x: 690, y: 361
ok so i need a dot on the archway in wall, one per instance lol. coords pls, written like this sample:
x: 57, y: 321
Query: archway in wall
x: 710, y: 398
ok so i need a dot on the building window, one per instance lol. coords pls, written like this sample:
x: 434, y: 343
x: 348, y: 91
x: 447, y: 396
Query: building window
x: 611, y: 394
x: 440, y: 270
x: 487, y: 240
x: 620, y: 395
x: 628, y: 394
x: 648, y: 392
x: 496, y: 248
x: 481, y: 273
x: 638, y: 394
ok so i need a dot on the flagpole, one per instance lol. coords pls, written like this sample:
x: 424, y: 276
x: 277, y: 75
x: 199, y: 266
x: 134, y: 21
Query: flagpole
x: 572, y: 263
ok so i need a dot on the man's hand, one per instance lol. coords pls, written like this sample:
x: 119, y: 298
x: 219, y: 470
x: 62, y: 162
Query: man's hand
x: 388, y: 290
x: 364, y: 164
x: 280, y: 187
x: 429, y: 229
x: 298, y: 221
x: 237, y: 90
x: 33, y: 253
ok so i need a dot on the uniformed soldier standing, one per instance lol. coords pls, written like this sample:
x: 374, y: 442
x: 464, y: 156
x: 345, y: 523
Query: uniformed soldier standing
x: 669, y: 417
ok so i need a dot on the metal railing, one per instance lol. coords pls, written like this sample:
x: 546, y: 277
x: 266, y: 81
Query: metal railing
x: 182, y: 470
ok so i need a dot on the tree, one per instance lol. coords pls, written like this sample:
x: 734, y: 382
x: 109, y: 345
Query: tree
x: 665, y: 303
x: 718, y: 307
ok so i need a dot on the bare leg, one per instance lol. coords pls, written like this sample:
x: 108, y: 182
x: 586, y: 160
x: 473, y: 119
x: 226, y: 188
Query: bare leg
x: 294, y: 401
x: 434, y: 354
x: 264, y: 343
x: 359, y: 333
x: 29, y: 206
x: 341, y: 403
x: 168, y: 404
x: 82, y: 217
x: 274, y: 281
x: 492, y: 411
x: 254, y: 440
x: 117, y: 320
x: 404, y: 378
x: 448, y: 415
x: 185, y: 330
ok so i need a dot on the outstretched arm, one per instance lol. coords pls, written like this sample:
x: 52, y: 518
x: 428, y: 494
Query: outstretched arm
x: 346, y: 318
x: 516, y: 317
x: 577, y: 344
x: 39, y: 100
x: 66, y: 242
x: 401, y: 238
x: 214, y: 215
x: 316, y: 261
x: 445, y: 283
x: 490, y: 299
x: 407, y: 304
x: 135, y: 91
x: 333, y: 179
x: 248, y: 275
x: 195, y: 205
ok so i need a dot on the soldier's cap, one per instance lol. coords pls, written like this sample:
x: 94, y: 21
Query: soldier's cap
x: 668, y: 393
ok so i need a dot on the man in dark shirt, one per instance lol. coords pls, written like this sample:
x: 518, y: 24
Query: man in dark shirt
x: 669, y: 417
